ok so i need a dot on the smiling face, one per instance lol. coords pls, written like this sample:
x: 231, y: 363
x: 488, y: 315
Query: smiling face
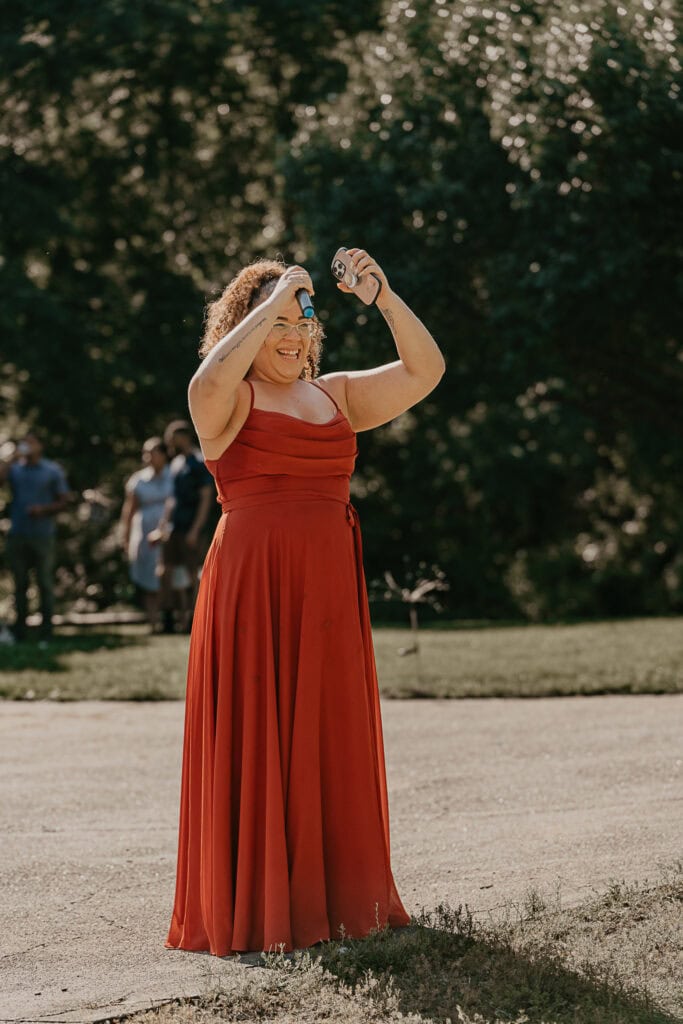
x: 282, y: 357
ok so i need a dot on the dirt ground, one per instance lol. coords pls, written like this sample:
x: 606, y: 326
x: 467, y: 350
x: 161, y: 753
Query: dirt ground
x: 487, y: 799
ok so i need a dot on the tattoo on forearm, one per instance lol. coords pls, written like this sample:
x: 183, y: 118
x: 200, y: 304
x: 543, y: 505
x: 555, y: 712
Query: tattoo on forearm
x: 390, y: 319
x: 238, y: 343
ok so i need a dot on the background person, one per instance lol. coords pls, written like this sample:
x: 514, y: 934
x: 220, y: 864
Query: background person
x: 187, y: 512
x: 39, y: 491
x: 147, y: 491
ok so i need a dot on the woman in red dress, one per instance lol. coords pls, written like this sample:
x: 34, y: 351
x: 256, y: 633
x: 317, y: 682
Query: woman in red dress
x: 284, y: 824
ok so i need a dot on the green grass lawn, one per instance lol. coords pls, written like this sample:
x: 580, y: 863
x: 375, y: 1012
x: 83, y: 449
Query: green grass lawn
x: 125, y: 663
x: 613, y: 959
x: 630, y: 656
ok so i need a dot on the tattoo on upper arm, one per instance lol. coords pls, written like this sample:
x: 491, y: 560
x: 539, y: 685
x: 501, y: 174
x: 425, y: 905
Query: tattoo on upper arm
x: 390, y: 318
x: 244, y: 338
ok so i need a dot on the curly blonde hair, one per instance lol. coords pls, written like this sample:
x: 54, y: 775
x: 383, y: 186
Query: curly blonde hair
x: 251, y: 286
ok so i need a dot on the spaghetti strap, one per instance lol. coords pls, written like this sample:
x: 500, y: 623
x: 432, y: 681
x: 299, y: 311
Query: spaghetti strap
x: 327, y: 393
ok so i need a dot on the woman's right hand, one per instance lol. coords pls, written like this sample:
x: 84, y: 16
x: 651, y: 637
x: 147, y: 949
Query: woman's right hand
x: 289, y: 283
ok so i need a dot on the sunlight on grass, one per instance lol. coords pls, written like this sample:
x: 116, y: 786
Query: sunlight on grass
x: 638, y: 656
x: 125, y: 663
x: 613, y: 959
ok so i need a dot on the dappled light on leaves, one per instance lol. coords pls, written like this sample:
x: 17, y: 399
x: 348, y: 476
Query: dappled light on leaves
x: 512, y: 166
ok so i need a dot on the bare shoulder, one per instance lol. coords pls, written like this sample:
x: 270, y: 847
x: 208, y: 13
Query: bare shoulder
x: 213, y: 447
x: 335, y: 384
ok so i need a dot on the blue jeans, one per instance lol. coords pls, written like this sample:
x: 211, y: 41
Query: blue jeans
x: 24, y: 553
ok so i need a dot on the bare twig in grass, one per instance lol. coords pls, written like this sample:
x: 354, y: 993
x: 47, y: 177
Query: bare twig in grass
x: 415, y: 591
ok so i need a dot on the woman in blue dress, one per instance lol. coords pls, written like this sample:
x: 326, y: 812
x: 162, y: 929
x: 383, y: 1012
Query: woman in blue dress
x: 147, y: 491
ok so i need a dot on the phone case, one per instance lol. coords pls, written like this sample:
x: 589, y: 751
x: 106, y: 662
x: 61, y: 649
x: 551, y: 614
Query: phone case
x: 366, y: 287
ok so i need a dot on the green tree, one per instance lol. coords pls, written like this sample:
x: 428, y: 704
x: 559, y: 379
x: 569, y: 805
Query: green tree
x: 514, y: 167
x: 516, y: 170
x: 137, y: 166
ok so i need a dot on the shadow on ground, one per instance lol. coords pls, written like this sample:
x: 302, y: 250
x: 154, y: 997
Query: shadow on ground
x: 443, y: 960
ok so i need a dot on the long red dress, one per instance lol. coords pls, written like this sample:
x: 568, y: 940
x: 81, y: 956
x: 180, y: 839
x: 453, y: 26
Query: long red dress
x: 284, y: 822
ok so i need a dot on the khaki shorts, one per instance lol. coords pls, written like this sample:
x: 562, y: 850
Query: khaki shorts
x: 176, y: 552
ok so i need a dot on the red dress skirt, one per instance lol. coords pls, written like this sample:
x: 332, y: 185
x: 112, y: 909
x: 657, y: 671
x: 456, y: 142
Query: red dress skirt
x: 284, y: 822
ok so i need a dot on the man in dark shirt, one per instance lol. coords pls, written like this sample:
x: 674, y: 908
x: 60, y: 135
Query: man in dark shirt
x: 39, y: 490
x: 182, y: 549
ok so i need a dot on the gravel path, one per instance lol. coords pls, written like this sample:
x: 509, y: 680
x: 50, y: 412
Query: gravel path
x: 487, y: 798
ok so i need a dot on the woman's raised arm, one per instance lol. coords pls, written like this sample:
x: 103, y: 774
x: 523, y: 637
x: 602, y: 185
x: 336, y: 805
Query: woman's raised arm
x: 376, y: 396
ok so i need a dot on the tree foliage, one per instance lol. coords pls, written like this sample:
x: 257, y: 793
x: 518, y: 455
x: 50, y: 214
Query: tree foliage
x: 515, y: 168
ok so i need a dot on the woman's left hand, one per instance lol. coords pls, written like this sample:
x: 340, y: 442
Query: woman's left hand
x: 361, y: 264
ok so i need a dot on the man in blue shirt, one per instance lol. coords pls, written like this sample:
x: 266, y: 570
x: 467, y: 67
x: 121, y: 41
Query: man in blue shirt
x: 39, y: 491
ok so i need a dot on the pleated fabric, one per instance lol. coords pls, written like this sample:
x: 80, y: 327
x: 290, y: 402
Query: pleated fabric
x: 284, y: 822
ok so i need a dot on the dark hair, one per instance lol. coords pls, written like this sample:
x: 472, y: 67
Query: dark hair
x: 155, y: 444
x: 177, y: 427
